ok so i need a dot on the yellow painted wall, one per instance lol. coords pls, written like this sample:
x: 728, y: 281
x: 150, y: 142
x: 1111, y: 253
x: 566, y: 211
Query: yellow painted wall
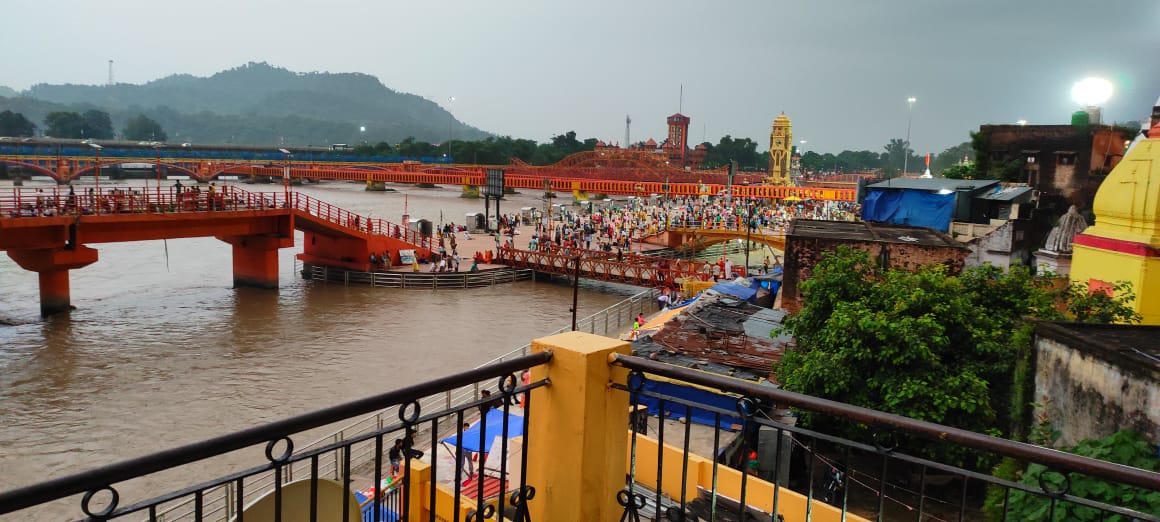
x: 577, y: 423
x: 758, y: 493
x: 1127, y: 208
x: 1109, y: 266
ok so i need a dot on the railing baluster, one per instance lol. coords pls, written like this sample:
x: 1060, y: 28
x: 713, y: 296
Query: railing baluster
x: 458, y: 461
x: 660, y: 450
x: 240, y: 501
x: 346, y: 481
x: 963, y: 502
x: 434, y: 466
x: 314, y: 488
x: 716, y: 453
x: 922, y: 492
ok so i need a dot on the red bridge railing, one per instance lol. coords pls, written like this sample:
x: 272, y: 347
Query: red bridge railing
x: 635, y: 270
x: 59, y: 201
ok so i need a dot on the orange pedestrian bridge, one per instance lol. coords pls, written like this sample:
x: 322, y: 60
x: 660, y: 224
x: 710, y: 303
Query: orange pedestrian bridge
x: 582, y: 174
x: 696, y: 238
x: 50, y: 232
x: 632, y: 269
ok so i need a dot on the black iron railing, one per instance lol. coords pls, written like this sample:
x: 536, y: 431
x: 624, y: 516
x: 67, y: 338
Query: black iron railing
x: 390, y: 501
x: 864, y: 479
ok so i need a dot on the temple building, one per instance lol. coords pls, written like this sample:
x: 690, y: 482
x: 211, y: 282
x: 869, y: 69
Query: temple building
x: 780, y: 149
x: 675, y: 147
x: 1124, y: 243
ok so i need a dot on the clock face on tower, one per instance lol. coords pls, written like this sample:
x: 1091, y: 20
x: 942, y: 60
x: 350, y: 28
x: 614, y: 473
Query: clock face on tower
x: 778, y: 143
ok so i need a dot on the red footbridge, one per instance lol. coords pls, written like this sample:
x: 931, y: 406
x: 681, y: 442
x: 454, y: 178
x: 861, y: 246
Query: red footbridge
x: 51, y: 232
x: 602, y: 171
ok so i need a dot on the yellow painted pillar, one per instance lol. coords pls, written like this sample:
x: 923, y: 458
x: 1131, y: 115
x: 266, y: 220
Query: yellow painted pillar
x: 576, y: 442
x: 1124, y: 243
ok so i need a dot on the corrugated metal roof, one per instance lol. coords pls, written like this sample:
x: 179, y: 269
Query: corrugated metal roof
x: 720, y: 334
x: 934, y: 184
x: 1007, y: 194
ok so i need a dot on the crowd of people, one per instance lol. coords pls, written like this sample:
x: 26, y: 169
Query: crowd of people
x: 615, y: 227
x: 119, y: 200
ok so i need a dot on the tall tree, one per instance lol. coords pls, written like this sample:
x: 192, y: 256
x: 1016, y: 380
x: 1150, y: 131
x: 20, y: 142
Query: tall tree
x: 15, y: 124
x: 897, y: 152
x: 98, y: 126
x: 69, y: 125
x: 925, y: 344
x: 952, y: 156
x: 742, y: 150
x: 141, y: 127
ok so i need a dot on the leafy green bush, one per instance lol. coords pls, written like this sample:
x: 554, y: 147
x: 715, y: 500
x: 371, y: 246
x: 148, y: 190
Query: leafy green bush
x: 1125, y: 447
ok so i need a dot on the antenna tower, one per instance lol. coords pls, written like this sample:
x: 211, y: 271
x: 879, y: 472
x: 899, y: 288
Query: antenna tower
x: 627, y: 124
x: 110, y: 72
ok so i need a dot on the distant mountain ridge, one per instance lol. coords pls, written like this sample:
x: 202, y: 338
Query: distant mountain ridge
x: 258, y: 103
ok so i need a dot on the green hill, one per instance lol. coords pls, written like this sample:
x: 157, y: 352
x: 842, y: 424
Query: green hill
x: 257, y: 104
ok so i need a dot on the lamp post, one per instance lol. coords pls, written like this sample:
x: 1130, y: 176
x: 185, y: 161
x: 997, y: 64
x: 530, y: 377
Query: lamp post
x: 157, y: 148
x: 906, y: 146
x: 450, y: 119
x: 97, y: 176
x: 748, y: 232
x: 286, y: 176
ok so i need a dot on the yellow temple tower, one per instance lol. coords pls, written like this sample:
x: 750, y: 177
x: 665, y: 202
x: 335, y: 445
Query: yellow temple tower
x: 1124, y: 244
x: 780, y: 147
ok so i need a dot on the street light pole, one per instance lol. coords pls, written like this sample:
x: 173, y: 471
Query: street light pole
x: 909, y: 119
x: 748, y: 231
x: 97, y: 176
x: 158, y: 149
x: 450, y: 118
x: 286, y: 178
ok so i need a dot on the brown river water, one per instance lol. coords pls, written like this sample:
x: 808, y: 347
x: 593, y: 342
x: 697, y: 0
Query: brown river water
x: 161, y: 351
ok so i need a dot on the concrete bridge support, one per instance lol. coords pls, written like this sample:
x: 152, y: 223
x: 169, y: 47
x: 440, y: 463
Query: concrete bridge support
x: 256, y: 260
x: 52, y: 265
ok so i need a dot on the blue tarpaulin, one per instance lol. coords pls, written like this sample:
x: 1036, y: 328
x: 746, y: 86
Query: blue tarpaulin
x: 735, y: 290
x: 368, y: 510
x: 492, y: 427
x: 916, y: 208
x: 690, y: 394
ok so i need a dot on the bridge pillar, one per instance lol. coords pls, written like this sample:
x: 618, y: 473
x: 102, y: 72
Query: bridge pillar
x: 52, y: 265
x: 256, y: 260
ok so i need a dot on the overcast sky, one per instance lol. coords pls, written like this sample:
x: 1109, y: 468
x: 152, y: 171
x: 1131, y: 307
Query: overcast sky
x: 840, y: 69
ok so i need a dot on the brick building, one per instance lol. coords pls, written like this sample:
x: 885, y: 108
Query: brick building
x: 894, y: 246
x: 1065, y: 164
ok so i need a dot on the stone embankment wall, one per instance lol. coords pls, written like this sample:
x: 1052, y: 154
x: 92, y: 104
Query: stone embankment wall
x: 1093, y: 382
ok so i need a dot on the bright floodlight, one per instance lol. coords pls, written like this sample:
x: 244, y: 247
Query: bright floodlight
x: 1021, y: 122
x: 911, y: 99
x: 284, y: 151
x: 362, y: 128
x: 1091, y: 91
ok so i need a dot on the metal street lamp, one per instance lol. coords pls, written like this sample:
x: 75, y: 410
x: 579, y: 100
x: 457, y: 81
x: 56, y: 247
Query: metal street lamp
x: 450, y: 119
x: 286, y: 176
x: 906, y: 146
x: 97, y: 177
x: 157, y: 148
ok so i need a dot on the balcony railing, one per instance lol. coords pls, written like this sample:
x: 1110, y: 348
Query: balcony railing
x: 874, y: 491
x: 579, y: 449
x: 323, y: 474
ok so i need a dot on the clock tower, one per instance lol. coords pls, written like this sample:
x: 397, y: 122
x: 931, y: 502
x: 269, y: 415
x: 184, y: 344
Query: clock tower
x: 678, y: 141
x: 780, y: 147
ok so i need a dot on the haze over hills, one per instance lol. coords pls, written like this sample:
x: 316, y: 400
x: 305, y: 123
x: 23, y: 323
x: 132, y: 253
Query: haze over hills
x: 256, y: 104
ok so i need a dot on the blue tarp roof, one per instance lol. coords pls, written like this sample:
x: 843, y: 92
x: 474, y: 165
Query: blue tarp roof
x: 492, y: 427
x: 909, y: 207
x: 735, y: 290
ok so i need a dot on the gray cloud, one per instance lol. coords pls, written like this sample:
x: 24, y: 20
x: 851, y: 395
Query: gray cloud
x: 841, y: 69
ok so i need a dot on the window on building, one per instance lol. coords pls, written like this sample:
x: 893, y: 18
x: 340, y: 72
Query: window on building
x: 1065, y: 158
